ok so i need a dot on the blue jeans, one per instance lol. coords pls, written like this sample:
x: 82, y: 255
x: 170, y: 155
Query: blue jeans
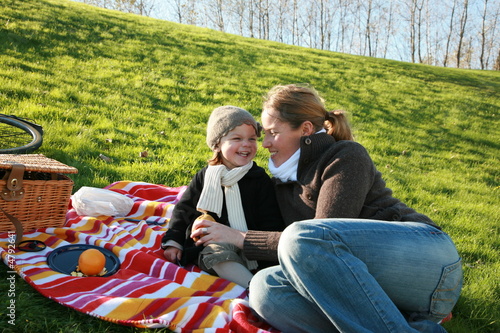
x: 352, y: 275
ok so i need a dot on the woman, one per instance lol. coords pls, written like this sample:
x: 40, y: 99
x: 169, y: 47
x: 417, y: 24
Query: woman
x: 358, y: 260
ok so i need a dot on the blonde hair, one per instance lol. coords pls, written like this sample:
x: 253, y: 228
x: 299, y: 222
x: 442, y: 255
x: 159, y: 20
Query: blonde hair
x: 296, y: 104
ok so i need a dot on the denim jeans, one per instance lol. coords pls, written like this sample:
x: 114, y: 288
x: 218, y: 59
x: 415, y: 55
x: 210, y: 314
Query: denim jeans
x: 351, y: 275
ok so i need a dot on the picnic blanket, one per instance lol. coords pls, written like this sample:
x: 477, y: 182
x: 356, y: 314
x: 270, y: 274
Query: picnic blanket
x: 147, y: 291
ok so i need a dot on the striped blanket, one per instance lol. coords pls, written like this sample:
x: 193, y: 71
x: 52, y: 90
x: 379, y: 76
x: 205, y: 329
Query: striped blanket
x: 147, y: 291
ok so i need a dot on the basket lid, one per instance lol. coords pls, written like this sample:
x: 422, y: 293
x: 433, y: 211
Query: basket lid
x: 35, y: 162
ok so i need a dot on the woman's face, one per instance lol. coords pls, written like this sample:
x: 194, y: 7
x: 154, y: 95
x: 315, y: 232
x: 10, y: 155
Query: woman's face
x: 279, y: 138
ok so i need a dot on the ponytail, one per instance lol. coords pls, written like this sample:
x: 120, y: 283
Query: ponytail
x: 337, y: 125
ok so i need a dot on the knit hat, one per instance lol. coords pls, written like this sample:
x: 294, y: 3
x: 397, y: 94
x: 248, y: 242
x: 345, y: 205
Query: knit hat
x: 224, y: 119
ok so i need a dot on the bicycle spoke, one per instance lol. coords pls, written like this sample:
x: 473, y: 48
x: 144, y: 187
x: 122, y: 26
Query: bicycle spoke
x: 17, y: 136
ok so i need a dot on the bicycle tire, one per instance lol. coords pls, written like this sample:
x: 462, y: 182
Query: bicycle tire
x: 18, y: 136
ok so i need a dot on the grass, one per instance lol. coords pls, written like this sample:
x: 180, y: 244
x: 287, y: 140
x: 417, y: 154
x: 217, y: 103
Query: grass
x: 105, y: 82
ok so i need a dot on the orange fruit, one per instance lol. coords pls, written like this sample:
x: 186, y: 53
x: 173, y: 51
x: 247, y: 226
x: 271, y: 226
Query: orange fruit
x: 91, y: 262
x: 203, y: 216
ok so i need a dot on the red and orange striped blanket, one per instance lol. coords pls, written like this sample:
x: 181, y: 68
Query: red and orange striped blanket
x: 146, y: 291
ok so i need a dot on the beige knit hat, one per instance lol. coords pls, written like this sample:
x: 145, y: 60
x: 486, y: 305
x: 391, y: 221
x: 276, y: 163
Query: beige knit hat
x: 224, y: 119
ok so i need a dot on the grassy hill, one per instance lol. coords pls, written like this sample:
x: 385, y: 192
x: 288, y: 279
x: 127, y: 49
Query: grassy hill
x: 105, y: 82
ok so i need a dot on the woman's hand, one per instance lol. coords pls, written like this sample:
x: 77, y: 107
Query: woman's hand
x: 206, y: 232
x: 172, y: 254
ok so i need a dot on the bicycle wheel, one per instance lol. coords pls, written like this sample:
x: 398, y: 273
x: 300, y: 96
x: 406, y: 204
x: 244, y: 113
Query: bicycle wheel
x: 18, y: 136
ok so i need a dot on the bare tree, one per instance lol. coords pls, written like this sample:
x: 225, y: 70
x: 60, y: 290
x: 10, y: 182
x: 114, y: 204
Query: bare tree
x: 251, y: 15
x: 238, y: 8
x: 489, y: 24
x: 388, y: 29
x: 144, y: 7
x: 309, y: 25
x: 263, y: 18
x: 497, y: 62
x: 357, y: 26
x: 218, y: 13
x: 494, y: 40
x: 325, y: 13
x: 368, y: 42
x: 342, y: 25
x: 282, y: 13
x: 295, y: 24
x: 413, y: 41
x: 191, y: 12
x: 419, y: 7
x: 433, y: 34
x: 415, y: 9
x: 450, y: 32
x: 483, y: 33
x: 463, y: 22
x: 178, y: 6
x: 467, y: 53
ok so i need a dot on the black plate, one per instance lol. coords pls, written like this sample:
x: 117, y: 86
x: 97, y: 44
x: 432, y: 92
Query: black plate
x: 64, y: 259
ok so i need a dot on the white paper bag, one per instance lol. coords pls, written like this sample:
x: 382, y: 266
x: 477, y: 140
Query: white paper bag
x: 92, y: 201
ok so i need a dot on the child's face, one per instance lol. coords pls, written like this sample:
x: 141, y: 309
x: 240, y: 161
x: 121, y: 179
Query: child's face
x: 238, y: 147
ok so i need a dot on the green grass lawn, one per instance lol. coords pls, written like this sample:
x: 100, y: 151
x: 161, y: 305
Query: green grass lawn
x: 105, y: 82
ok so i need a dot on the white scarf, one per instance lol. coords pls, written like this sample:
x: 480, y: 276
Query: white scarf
x: 212, y: 197
x: 288, y: 170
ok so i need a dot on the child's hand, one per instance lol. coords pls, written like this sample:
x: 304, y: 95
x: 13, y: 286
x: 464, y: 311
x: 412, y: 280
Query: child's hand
x: 172, y: 254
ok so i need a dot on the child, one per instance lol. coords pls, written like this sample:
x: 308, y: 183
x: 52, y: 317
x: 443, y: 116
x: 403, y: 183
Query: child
x: 233, y: 190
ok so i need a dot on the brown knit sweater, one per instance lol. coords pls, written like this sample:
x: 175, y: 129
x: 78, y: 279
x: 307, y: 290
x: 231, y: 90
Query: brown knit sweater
x: 336, y: 179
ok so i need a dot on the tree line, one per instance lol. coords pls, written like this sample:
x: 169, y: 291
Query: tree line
x: 448, y: 33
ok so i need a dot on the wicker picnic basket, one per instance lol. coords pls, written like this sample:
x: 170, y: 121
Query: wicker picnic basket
x: 33, y: 190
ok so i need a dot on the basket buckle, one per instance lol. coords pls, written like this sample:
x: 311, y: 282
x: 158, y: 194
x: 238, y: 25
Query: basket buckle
x: 13, y: 190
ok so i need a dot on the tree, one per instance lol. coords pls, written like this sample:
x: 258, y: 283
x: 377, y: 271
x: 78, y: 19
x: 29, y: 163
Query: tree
x: 483, y: 34
x: 295, y: 24
x: 463, y: 23
x: 368, y: 41
x: 489, y: 23
x: 450, y: 32
x: 388, y: 29
x: 416, y: 8
x: 178, y: 8
x: 251, y: 14
x: 325, y: 11
x: 282, y: 13
x: 263, y: 18
x: 239, y: 10
x: 497, y: 63
x: 419, y: 7
x: 215, y: 14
